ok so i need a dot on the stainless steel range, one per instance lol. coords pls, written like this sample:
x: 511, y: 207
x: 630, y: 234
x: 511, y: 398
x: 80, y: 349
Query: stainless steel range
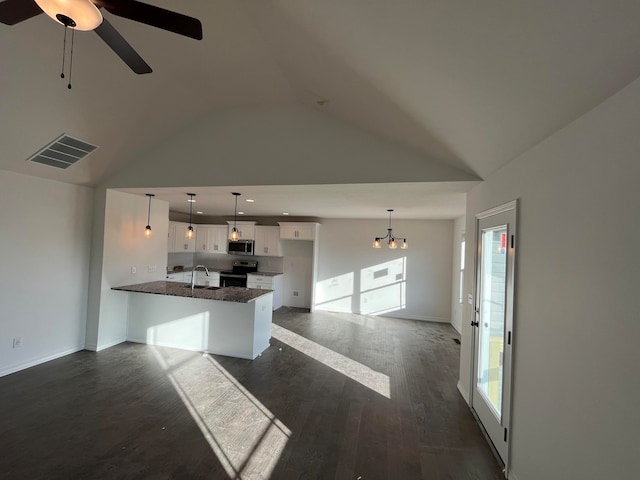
x: 238, y: 276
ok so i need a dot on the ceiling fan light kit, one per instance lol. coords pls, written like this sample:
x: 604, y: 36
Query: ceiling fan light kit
x: 82, y: 15
x: 86, y: 15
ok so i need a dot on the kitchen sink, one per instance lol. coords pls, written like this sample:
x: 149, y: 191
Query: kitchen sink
x: 201, y: 287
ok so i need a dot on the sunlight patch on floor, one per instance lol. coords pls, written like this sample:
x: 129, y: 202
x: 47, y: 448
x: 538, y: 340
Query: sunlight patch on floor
x: 245, y: 436
x: 376, y: 381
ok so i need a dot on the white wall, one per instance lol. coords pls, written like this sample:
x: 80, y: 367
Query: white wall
x: 457, y: 310
x: 414, y: 283
x: 123, y: 247
x: 46, y: 234
x: 576, y: 386
x: 281, y: 146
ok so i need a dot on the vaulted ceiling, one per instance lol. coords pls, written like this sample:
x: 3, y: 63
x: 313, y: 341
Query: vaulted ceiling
x: 469, y: 84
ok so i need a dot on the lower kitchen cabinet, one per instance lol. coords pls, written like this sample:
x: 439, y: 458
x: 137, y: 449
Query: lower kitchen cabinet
x: 267, y: 282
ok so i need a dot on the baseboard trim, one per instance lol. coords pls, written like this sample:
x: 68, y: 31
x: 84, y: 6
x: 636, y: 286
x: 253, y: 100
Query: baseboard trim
x: 110, y: 344
x: 463, y: 392
x: 421, y: 318
x: 38, y: 361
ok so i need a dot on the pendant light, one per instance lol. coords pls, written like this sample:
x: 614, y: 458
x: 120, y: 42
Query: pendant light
x: 390, y: 238
x: 190, y: 227
x: 235, y: 235
x: 147, y: 230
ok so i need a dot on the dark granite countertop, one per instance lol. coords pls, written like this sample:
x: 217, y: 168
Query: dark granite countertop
x: 265, y: 274
x: 178, y: 289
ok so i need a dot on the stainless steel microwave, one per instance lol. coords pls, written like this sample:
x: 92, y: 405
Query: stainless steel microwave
x: 240, y: 247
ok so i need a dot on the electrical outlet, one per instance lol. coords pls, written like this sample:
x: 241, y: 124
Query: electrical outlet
x: 133, y: 270
x: 17, y: 342
x: 295, y: 293
x: 152, y: 268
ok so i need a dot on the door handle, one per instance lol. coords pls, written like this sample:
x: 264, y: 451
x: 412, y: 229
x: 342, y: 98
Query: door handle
x: 475, y: 323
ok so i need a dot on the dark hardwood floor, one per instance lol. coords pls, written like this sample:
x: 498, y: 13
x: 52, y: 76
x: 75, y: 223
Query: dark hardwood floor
x: 335, y: 397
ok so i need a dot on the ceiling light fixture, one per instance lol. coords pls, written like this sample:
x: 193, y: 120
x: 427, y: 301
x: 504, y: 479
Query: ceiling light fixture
x: 147, y: 229
x: 190, y: 227
x: 74, y: 14
x: 234, y: 232
x: 249, y: 200
x: 78, y: 14
x: 389, y: 237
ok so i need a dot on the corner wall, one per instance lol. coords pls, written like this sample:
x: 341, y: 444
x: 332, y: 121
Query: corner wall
x: 46, y: 234
x: 122, y: 247
x: 576, y: 328
x: 414, y: 283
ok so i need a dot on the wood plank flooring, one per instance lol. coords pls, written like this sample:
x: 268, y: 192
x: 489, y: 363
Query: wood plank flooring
x: 336, y: 396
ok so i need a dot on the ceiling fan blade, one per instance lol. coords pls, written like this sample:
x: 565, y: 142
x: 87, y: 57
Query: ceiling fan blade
x: 16, y: 11
x: 122, y: 48
x: 154, y: 16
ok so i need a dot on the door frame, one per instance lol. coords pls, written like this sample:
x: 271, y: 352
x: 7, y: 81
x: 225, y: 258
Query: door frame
x: 510, y: 309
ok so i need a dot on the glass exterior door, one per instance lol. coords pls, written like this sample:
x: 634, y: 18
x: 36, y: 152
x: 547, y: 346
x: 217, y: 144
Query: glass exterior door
x: 493, y: 324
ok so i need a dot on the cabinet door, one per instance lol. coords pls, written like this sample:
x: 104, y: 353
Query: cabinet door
x: 182, y: 243
x: 246, y: 230
x: 203, y: 234
x: 171, y: 237
x: 298, y: 231
x: 218, y: 239
x: 267, y: 241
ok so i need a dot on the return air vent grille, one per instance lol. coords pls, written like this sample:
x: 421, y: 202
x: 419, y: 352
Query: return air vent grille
x: 63, y: 152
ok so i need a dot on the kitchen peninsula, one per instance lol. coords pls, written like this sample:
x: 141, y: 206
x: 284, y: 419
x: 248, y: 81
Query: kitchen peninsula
x: 232, y: 321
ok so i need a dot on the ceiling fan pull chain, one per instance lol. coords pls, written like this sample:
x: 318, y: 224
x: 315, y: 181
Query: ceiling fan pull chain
x: 64, y: 49
x: 73, y: 34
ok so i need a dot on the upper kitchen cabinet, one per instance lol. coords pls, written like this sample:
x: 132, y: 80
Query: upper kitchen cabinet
x: 177, y: 240
x: 267, y: 241
x: 211, y: 238
x: 246, y: 230
x: 298, y: 230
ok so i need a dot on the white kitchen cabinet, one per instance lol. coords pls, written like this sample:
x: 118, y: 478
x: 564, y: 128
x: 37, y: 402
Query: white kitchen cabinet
x: 246, y: 229
x: 267, y: 282
x: 267, y: 241
x: 298, y: 230
x: 176, y: 277
x: 177, y: 240
x: 211, y: 238
x: 213, y: 280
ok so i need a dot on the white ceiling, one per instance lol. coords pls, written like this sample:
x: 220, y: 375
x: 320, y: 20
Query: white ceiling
x: 472, y: 84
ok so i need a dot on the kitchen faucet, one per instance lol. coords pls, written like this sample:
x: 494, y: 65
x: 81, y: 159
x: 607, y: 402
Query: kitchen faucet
x: 193, y: 275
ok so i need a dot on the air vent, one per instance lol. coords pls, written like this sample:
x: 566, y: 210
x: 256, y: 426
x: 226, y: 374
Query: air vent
x: 63, y: 152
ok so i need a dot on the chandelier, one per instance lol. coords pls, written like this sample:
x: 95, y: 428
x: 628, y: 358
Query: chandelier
x: 391, y: 240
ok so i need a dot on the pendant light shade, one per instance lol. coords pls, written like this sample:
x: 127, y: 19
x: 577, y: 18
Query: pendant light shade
x: 235, y: 235
x: 147, y: 230
x: 190, y: 227
x: 391, y: 240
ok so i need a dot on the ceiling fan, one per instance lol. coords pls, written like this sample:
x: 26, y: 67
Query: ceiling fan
x: 86, y: 15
